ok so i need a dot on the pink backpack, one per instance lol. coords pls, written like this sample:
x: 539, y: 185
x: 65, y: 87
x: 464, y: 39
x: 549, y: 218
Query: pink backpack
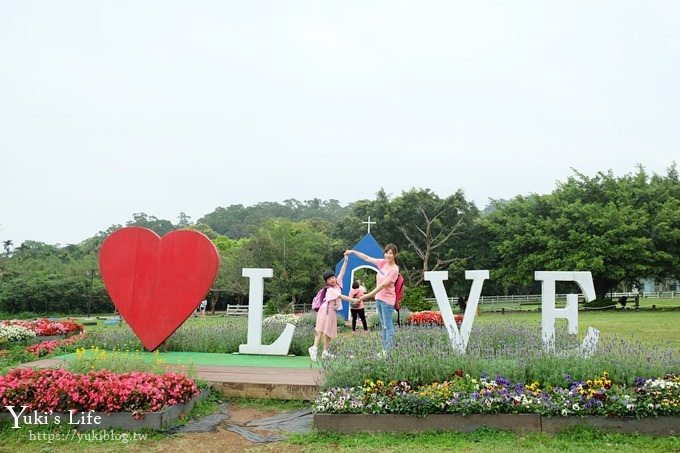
x: 318, y: 300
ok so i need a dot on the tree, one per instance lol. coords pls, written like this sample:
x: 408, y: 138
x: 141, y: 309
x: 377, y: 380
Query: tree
x: 7, y: 245
x: 45, y: 279
x: 430, y: 224
x: 183, y: 220
x: 602, y: 224
x: 297, y: 253
x: 230, y: 283
x: 237, y: 221
x: 430, y: 231
x: 205, y: 229
x: 160, y: 226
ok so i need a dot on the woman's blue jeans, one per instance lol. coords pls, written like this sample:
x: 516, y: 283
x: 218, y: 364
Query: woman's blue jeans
x: 385, y: 312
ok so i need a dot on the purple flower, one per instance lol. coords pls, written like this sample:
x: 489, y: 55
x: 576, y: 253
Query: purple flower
x: 500, y: 380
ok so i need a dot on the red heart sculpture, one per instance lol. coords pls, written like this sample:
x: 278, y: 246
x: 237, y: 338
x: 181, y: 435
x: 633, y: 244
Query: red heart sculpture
x: 156, y: 283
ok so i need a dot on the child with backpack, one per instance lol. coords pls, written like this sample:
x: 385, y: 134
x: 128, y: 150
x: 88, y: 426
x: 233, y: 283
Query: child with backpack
x: 384, y: 291
x: 357, y: 309
x: 326, y: 317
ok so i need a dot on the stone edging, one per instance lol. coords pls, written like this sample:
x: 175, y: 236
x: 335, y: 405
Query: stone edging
x: 42, y: 338
x: 517, y: 423
x: 156, y: 421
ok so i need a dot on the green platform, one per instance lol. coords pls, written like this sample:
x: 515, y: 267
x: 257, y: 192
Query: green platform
x: 208, y: 358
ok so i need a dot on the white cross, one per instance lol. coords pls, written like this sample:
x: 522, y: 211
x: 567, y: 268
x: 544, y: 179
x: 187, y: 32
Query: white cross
x: 369, y: 223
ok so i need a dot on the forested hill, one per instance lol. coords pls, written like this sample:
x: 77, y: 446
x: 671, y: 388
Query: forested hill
x: 237, y: 221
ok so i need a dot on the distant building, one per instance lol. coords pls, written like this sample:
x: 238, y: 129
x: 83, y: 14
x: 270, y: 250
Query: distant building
x: 650, y: 285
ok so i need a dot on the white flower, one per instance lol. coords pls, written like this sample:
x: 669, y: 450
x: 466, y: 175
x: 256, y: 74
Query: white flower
x: 15, y: 333
x: 281, y: 318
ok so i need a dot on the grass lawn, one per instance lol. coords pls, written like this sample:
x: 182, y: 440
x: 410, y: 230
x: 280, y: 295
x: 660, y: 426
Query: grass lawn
x: 484, y: 440
x: 661, y: 328
x: 645, y: 304
x: 650, y: 327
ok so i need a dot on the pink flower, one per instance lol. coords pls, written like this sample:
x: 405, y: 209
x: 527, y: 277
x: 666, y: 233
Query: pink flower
x: 102, y: 391
x: 45, y: 327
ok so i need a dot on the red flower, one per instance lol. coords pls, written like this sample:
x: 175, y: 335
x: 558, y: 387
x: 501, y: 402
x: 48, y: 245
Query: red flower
x: 46, y: 347
x: 430, y: 318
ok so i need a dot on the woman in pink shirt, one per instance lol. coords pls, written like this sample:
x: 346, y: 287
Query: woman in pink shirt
x: 384, y: 294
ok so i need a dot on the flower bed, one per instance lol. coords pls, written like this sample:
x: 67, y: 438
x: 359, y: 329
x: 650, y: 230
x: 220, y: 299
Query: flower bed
x: 128, y: 421
x: 464, y: 395
x: 46, y: 347
x: 45, y: 327
x: 61, y: 391
x: 13, y: 333
x: 464, y: 404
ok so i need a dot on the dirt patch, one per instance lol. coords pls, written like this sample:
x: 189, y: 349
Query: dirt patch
x: 223, y: 440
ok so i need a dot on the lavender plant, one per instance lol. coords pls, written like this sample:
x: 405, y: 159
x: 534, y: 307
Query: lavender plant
x: 423, y: 355
x: 220, y: 335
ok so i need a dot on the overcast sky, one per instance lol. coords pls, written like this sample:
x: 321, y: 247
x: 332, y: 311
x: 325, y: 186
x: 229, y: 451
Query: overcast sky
x: 108, y: 108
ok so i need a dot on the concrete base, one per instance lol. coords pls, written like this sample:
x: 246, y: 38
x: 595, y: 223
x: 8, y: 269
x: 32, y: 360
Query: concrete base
x: 269, y: 383
x: 517, y: 423
x: 40, y: 339
x: 267, y: 391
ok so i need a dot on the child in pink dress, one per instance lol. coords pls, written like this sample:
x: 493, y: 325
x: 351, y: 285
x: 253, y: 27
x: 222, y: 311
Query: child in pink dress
x: 326, y: 317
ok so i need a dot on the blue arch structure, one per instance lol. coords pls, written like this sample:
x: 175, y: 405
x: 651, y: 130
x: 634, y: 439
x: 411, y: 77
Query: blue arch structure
x: 370, y: 247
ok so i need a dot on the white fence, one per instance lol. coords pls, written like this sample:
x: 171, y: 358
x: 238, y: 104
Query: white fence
x: 369, y: 305
x: 524, y: 298
x: 661, y: 295
x: 536, y: 298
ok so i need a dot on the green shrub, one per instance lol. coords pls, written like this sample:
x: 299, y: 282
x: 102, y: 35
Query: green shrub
x: 600, y: 303
x: 414, y: 299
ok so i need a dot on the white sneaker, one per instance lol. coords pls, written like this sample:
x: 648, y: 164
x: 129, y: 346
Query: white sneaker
x: 327, y: 355
x: 312, y: 353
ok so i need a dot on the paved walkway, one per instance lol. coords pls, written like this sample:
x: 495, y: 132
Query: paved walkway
x: 301, y: 421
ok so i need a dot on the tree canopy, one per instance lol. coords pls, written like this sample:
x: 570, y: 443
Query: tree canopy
x: 620, y: 229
